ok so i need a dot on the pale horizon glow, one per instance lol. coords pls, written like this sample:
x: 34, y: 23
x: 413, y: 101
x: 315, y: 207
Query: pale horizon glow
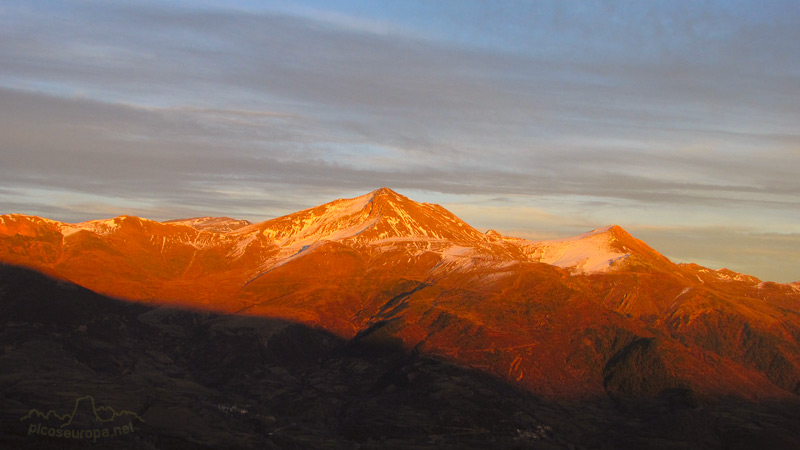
x: 676, y: 120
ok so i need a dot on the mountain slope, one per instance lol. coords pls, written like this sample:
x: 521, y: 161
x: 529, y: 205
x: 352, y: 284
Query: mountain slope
x: 203, y: 381
x: 600, y: 314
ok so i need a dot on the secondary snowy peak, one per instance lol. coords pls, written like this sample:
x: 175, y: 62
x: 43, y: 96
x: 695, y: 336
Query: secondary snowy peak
x: 216, y: 224
x: 379, y: 215
x: 592, y: 252
x: 599, y: 250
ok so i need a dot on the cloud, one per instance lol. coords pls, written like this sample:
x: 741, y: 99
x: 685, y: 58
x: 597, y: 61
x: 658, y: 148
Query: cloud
x: 184, y: 155
x: 672, y: 110
x: 768, y: 256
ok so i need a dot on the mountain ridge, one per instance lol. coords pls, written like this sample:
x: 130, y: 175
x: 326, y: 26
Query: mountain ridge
x: 365, y: 220
x: 566, y: 318
x: 379, y: 215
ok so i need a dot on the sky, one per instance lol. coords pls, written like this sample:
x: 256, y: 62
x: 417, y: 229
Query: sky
x: 679, y: 120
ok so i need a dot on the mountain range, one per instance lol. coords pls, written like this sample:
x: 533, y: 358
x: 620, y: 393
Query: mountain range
x: 598, y: 316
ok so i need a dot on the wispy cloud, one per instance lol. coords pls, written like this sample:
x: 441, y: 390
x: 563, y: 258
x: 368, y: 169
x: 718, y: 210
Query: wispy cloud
x: 647, y: 109
x: 769, y: 256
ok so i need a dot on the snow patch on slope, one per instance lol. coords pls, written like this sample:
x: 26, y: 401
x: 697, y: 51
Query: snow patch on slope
x: 100, y: 227
x: 590, y: 252
x: 331, y: 223
x: 458, y: 258
x: 216, y: 224
x: 240, y: 248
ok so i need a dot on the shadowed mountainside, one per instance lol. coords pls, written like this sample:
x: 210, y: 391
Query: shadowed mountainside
x: 203, y: 380
x: 598, y: 315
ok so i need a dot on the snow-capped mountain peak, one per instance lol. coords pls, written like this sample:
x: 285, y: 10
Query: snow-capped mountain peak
x: 595, y: 251
x: 379, y: 215
x: 599, y: 250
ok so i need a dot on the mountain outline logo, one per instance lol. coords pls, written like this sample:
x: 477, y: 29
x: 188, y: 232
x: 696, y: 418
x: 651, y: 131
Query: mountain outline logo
x: 85, y: 421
